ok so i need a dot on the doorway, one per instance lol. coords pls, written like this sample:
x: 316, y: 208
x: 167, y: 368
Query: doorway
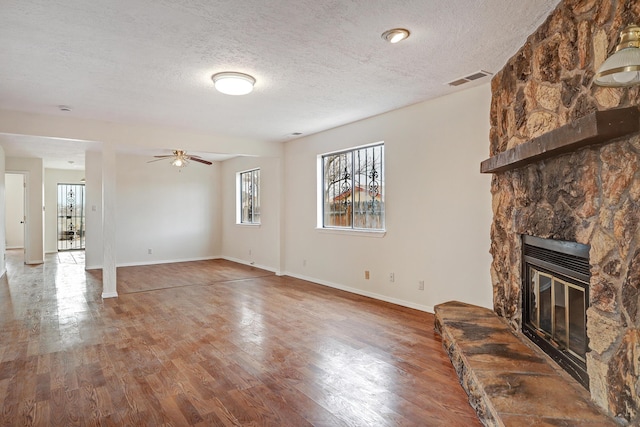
x: 15, y: 210
x: 71, y: 219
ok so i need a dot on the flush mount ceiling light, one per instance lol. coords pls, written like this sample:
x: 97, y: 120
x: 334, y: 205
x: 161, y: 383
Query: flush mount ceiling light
x: 396, y: 35
x: 232, y: 83
x: 623, y: 67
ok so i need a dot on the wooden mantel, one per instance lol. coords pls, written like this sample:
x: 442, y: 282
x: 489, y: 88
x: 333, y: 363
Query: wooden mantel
x: 595, y: 128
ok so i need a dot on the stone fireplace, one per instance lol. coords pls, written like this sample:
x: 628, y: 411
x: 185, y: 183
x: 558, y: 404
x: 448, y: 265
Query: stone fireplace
x: 589, y: 195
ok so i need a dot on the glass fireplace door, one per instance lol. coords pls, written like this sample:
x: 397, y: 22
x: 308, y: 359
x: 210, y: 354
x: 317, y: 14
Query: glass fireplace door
x: 557, y: 310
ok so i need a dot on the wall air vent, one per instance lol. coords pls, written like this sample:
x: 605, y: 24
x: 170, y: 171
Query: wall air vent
x: 471, y: 77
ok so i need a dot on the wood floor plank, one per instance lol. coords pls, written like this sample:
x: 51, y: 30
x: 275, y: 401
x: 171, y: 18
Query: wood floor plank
x: 213, y: 343
x: 218, y: 415
x: 42, y: 414
x: 171, y: 408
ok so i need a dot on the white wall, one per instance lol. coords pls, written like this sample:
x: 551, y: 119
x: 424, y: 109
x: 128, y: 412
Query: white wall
x: 93, y: 214
x: 438, y: 206
x: 14, y: 220
x: 3, y: 267
x: 35, y: 205
x: 175, y: 213
x: 251, y: 244
x: 53, y: 177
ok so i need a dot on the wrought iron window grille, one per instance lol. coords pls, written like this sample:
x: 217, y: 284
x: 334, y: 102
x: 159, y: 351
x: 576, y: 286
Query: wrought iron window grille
x: 353, y: 189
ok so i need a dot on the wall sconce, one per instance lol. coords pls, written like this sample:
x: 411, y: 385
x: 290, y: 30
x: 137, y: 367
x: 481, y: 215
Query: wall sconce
x: 622, y: 69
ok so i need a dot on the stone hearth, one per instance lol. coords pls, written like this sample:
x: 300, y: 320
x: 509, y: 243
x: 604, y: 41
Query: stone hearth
x: 510, y: 383
x: 589, y: 196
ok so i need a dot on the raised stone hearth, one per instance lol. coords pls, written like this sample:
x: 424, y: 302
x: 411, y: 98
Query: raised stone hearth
x: 590, y: 195
x: 510, y: 383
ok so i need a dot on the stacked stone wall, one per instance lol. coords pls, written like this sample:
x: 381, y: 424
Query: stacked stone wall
x: 591, y: 196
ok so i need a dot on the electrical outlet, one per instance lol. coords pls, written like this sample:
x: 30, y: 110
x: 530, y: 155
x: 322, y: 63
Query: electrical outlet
x: 392, y: 277
x: 304, y: 262
x: 149, y: 251
x: 249, y: 251
x: 421, y: 285
x: 366, y: 274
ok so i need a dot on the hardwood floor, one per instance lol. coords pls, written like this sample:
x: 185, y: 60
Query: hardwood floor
x: 213, y: 343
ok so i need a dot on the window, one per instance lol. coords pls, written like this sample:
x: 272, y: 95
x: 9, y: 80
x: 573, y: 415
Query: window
x: 353, y: 189
x: 249, y: 197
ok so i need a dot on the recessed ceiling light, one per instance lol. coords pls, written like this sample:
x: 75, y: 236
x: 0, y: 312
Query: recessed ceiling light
x: 232, y: 83
x: 395, y: 35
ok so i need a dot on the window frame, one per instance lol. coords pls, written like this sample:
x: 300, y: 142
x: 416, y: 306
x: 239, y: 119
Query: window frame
x: 255, y: 194
x: 352, y: 229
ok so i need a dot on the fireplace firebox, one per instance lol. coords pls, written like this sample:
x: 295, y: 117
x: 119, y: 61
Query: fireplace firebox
x: 555, y: 300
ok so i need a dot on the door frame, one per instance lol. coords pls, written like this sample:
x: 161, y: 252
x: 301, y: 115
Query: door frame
x: 25, y: 211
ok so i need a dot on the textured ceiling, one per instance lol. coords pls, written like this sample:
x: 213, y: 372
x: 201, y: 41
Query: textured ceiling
x: 56, y: 153
x: 318, y: 64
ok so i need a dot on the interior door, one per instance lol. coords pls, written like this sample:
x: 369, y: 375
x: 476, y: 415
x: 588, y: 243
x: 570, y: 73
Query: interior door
x: 15, y: 215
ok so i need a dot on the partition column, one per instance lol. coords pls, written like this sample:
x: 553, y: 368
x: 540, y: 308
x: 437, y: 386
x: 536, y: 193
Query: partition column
x: 109, y: 221
x: 281, y: 216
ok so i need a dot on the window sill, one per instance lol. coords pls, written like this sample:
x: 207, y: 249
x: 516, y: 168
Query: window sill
x: 360, y: 233
x: 248, y: 224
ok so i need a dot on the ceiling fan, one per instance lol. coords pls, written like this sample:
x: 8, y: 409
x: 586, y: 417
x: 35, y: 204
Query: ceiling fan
x: 181, y: 159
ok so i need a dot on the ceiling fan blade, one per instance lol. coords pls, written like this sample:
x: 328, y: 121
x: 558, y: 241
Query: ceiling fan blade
x: 164, y: 157
x: 157, y: 160
x: 195, y: 159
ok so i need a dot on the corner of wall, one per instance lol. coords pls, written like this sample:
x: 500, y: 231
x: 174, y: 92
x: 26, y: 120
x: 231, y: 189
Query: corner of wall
x: 3, y: 267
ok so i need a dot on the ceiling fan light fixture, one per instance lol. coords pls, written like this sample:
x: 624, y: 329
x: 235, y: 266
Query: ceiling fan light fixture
x: 232, y: 83
x: 178, y: 163
x: 622, y: 69
x: 395, y: 35
x: 179, y: 160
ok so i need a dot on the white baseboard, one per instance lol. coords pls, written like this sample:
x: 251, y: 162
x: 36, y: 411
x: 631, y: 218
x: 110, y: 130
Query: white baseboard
x: 155, y: 262
x: 14, y: 247
x: 403, y: 303
x: 109, y: 295
x: 408, y: 304
x: 36, y: 262
x: 164, y: 261
x: 252, y: 264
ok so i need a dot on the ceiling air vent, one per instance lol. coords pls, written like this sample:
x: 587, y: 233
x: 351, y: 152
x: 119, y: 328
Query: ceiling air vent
x: 471, y: 77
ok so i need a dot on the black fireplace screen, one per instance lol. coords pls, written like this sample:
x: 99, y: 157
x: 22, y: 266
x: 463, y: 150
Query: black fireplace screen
x: 556, y: 298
